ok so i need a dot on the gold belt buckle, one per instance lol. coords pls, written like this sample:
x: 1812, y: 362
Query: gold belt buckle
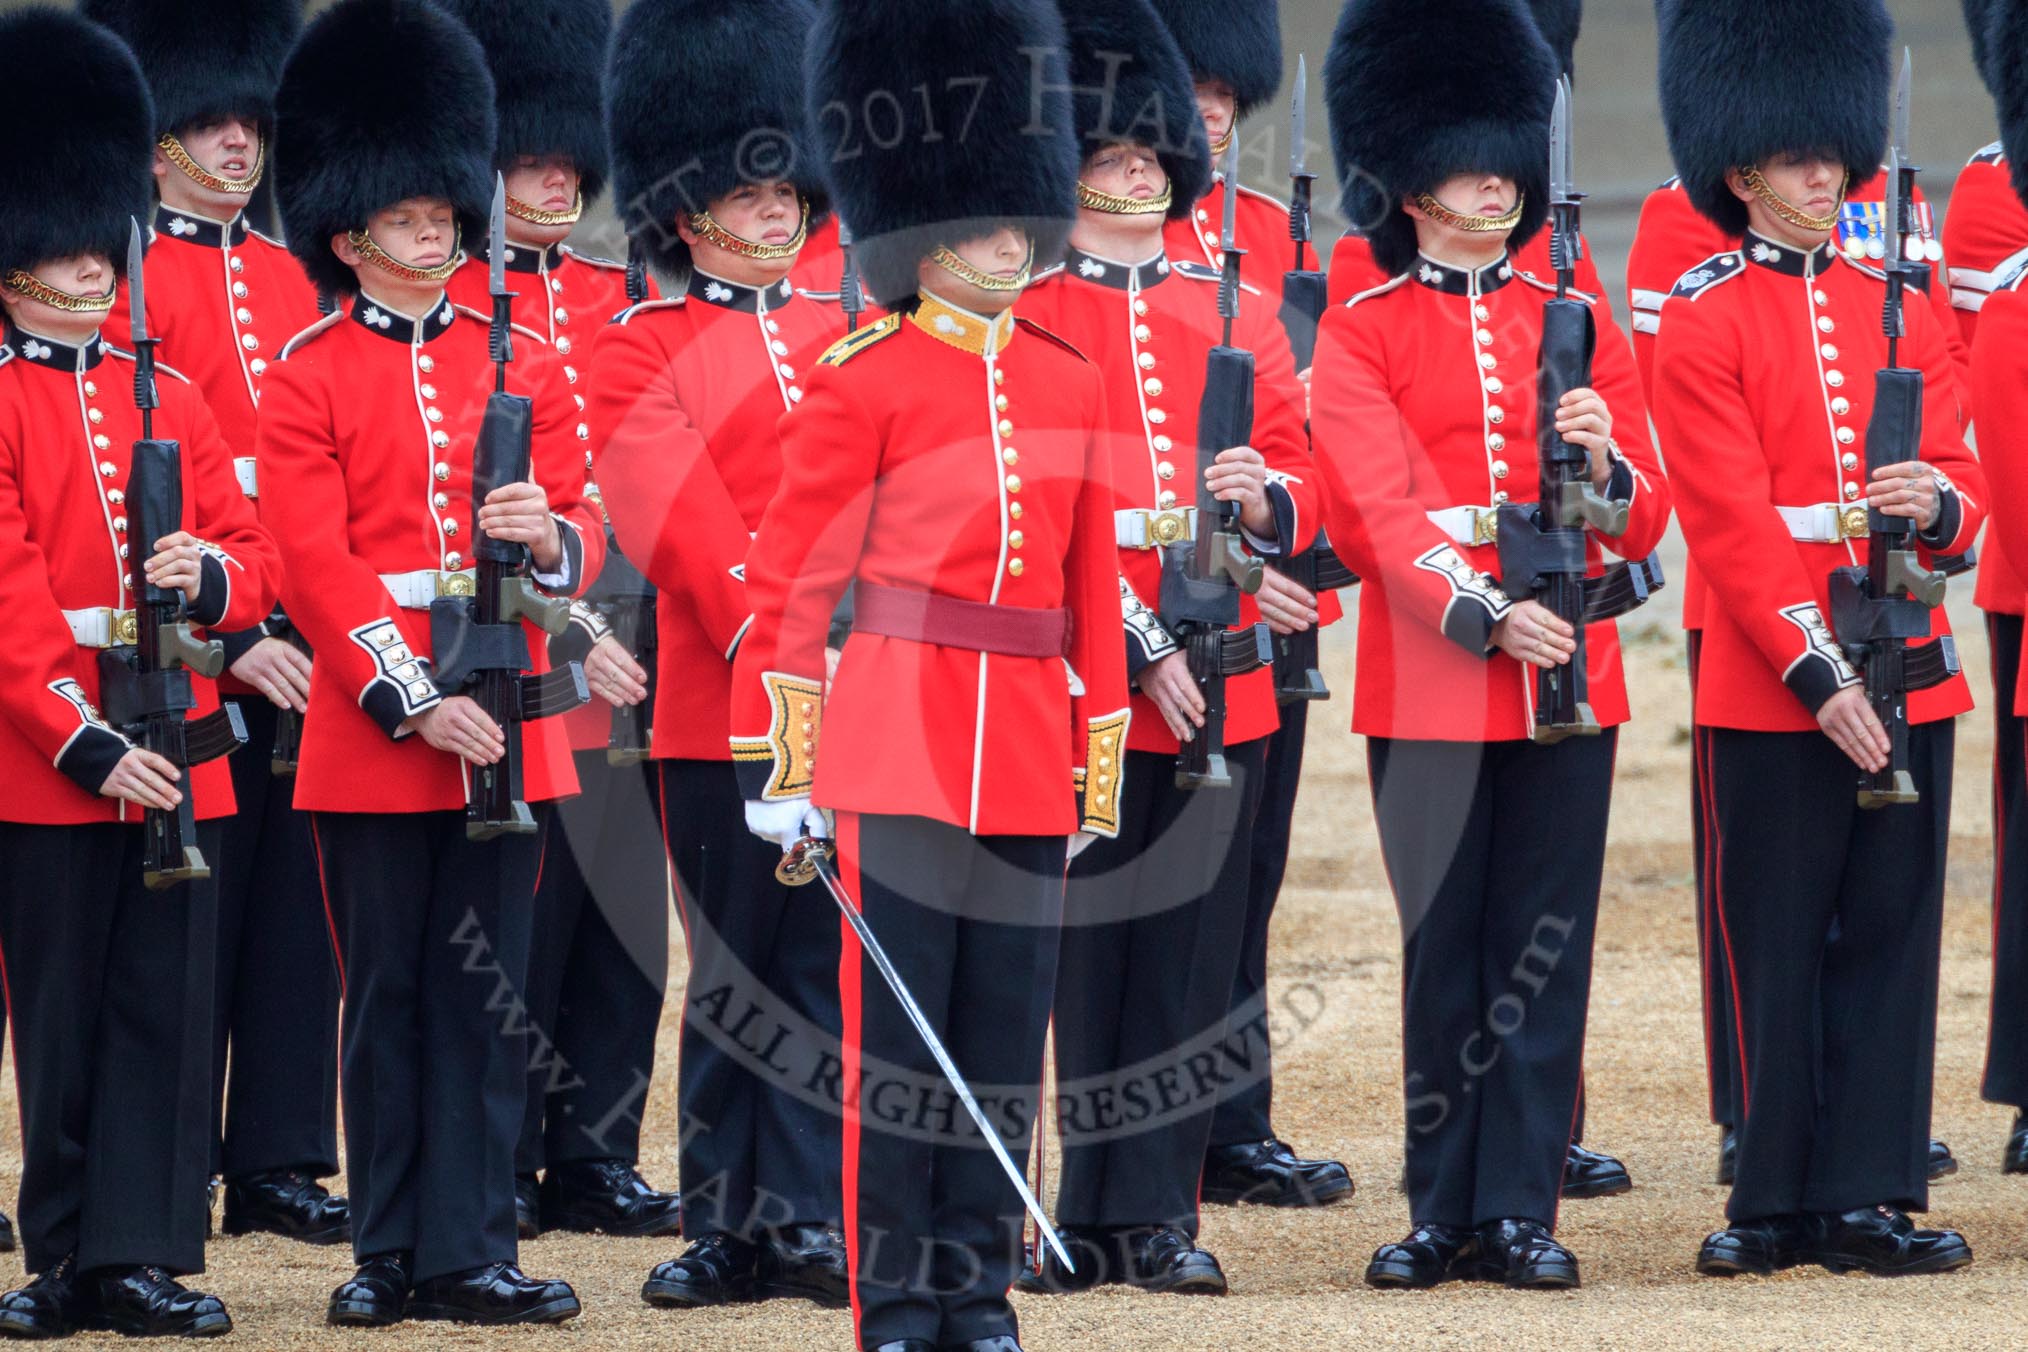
x: 1485, y: 525
x: 126, y: 628
x: 1168, y: 528
x: 456, y: 584
x: 1852, y: 524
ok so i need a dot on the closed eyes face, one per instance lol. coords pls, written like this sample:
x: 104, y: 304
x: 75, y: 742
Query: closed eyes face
x: 1126, y: 169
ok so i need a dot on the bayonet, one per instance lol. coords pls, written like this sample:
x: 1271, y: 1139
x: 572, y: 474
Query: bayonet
x: 1898, y: 223
x: 145, y: 397
x: 1228, y: 242
x: 851, y: 293
x: 500, y: 340
x: 1566, y: 242
x: 1301, y: 180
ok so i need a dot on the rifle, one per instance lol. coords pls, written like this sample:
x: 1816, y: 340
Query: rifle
x: 627, y: 601
x: 1305, y: 296
x: 1876, y: 609
x: 1204, y: 574
x: 1542, y: 544
x: 144, y: 684
x: 478, y: 642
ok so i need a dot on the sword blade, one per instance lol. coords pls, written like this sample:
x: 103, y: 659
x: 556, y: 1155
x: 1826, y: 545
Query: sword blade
x: 496, y: 239
x: 1299, y: 120
x: 820, y: 858
x: 1561, y: 168
x: 137, y: 294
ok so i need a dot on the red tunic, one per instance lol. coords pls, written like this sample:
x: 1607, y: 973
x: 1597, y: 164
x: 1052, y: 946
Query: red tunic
x: 942, y: 453
x: 687, y: 394
x: 67, y: 428
x: 1260, y: 226
x: 1985, y: 236
x: 1148, y: 329
x: 1424, y: 402
x: 2000, y: 393
x: 368, y: 425
x: 1764, y: 365
x: 1354, y: 270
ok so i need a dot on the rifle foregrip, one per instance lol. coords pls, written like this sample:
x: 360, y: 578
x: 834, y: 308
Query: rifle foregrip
x: 502, y: 457
x: 1893, y: 436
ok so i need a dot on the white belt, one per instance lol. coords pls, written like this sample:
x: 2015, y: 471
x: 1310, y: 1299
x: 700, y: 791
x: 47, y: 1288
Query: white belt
x: 1468, y: 525
x: 415, y: 591
x: 243, y: 466
x: 102, y: 627
x: 1139, y: 528
x: 1826, y: 523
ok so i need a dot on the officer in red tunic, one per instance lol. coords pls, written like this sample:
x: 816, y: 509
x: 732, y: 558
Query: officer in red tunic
x: 946, y: 463
x: 1424, y: 415
x: 1986, y: 240
x: 1762, y: 364
x: 686, y: 396
x: 223, y: 298
x: 598, y: 962
x: 1159, y: 912
x: 109, y: 981
x: 366, y: 448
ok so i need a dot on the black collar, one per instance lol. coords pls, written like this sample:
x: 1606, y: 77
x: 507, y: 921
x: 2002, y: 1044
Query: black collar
x: 1119, y: 276
x: 181, y: 225
x: 56, y: 356
x: 521, y: 258
x: 1786, y: 258
x: 391, y: 323
x: 1458, y: 281
x: 746, y: 299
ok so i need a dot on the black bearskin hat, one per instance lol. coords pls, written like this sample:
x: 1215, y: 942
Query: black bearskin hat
x: 702, y: 96
x: 1237, y: 41
x: 2007, y: 57
x: 1743, y: 80
x: 381, y: 101
x: 1559, y: 21
x: 1981, y: 16
x: 1419, y: 90
x: 205, y: 59
x: 1129, y: 82
x: 82, y: 168
x: 547, y: 59
x: 994, y: 144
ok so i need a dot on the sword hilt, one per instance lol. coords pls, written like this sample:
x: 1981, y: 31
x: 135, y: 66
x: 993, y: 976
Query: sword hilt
x: 799, y: 865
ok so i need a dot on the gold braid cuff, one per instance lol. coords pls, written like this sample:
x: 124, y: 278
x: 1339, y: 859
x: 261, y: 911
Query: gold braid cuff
x: 520, y: 210
x: 944, y: 258
x: 1097, y: 781
x: 435, y: 276
x: 708, y: 228
x: 1477, y: 225
x: 21, y: 284
x: 173, y: 151
x: 1088, y: 196
x: 796, y: 721
x: 1787, y: 210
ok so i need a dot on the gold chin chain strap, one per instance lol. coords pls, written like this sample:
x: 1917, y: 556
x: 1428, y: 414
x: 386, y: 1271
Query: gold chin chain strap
x: 1477, y: 225
x: 1219, y: 147
x: 708, y: 228
x: 21, y: 284
x: 1088, y: 196
x: 520, y: 210
x: 173, y: 151
x: 379, y: 257
x: 949, y: 261
x: 1787, y: 210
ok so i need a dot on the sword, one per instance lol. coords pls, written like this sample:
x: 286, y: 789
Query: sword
x: 811, y: 858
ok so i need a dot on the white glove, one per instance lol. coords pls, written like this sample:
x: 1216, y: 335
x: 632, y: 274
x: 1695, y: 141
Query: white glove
x: 785, y: 822
x: 1080, y: 841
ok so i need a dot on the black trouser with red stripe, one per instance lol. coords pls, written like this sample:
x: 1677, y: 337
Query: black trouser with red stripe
x: 1721, y: 1020
x: 597, y: 967
x: 432, y: 935
x: 1246, y: 1114
x: 933, y: 1225
x: 1153, y: 928
x: 109, y: 986
x: 2007, y: 1035
x: 1836, y: 1039
x: 277, y: 993
x: 756, y: 1083
x: 1495, y: 851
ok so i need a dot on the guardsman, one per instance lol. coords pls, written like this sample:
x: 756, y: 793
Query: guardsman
x: 1765, y: 363
x: 1491, y: 809
x: 109, y: 979
x: 686, y: 395
x: 947, y: 464
x: 1986, y: 240
x: 369, y: 421
x: 598, y: 961
x: 1156, y: 915
x: 1234, y: 51
x: 222, y: 298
